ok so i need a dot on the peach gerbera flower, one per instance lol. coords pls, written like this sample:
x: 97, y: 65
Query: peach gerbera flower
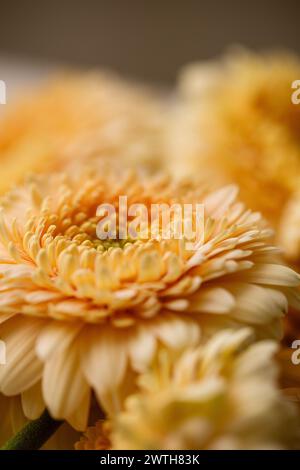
x: 222, y: 395
x: 79, y: 314
x: 237, y: 121
x: 79, y: 114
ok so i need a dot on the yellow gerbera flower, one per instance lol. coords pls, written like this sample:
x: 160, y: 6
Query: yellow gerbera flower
x: 73, y: 117
x: 237, y: 121
x: 220, y: 396
x: 78, y: 313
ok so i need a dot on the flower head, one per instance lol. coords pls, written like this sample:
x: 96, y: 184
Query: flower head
x: 75, y: 116
x: 81, y: 314
x: 222, y: 395
x: 238, y: 122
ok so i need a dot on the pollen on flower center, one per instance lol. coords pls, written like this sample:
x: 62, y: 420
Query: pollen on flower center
x: 82, y: 232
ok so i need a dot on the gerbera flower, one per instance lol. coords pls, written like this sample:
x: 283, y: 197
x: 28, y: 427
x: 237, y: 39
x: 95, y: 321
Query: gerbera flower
x: 74, y: 116
x: 238, y: 122
x: 220, y: 396
x: 81, y: 314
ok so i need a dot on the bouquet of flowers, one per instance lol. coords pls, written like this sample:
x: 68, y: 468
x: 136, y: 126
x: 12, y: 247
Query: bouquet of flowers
x: 149, y: 249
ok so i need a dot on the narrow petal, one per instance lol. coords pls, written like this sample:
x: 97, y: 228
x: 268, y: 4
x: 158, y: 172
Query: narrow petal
x: 56, y: 336
x: 104, y: 358
x: 142, y: 349
x: 274, y: 274
x: 32, y: 402
x: 64, y: 386
x: 177, y: 332
x: 22, y: 369
x: 79, y: 418
x: 217, y: 203
x: 257, y: 304
x: 212, y: 300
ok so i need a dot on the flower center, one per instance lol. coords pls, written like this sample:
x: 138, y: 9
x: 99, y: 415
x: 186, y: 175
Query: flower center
x: 81, y: 229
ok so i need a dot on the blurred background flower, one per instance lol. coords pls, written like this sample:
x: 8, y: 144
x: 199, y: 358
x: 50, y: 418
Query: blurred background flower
x: 239, y: 124
x: 223, y: 395
x: 76, y: 117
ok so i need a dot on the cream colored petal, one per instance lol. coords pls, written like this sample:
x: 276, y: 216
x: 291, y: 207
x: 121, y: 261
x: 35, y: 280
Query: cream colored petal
x: 256, y: 361
x: 256, y: 304
x: 32, y: 401
x: 17, y: 417
x: 225, y: 343
x: 217, y: 203
x: 103, y: 358
x: 56, y: 336
x: 212, y: 300
x: 80, y: 417
x: 211, y: 388
x: 150, y: 267
x: 142, y: 348
x: 274, y: 274
x: 22, y: 369
x: 177, y: 332
x: 64, y: 386
x: 293, y: 297
x: 40, y: 296
x: 178, y: 305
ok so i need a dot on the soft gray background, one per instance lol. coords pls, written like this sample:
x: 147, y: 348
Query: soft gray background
x: 144, y: 39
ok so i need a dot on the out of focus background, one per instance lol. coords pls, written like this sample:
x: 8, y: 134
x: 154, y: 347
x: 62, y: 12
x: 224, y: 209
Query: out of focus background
x: 142, y: 39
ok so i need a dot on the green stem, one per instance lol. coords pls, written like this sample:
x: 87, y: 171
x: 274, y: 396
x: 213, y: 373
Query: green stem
x: 34, y: 434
